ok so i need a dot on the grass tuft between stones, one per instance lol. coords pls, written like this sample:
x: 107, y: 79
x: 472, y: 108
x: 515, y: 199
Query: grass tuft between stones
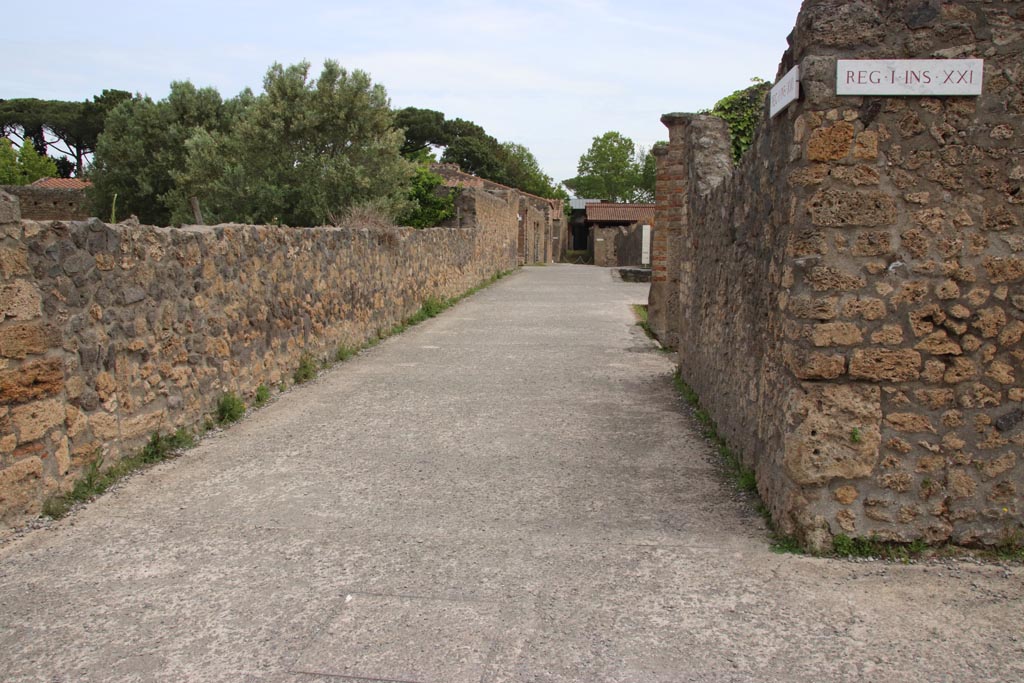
x: 741, y: 476
x: 95, y: 480
x: 229, y: 408
x: 306, y: 370
x: 431, y: 307
x: 262, y: 395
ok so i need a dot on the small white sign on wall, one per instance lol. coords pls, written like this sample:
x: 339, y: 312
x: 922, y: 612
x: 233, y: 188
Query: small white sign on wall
x: 786, y: 91
x: 909, y: 77
x: 645, y: 249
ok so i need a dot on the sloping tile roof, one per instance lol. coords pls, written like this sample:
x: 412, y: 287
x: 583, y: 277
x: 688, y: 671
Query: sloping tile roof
x: 61, y: 184
x: 619, y: 213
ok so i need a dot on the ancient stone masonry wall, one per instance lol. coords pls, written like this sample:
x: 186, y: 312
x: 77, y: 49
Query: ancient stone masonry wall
x: 848, y: 302
x: 47, y: 204
x: 618, y: 245
x: 111, y: 332
x: 543, y: 227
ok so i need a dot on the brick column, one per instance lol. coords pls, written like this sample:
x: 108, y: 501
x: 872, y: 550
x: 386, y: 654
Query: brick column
x: 669, y: 197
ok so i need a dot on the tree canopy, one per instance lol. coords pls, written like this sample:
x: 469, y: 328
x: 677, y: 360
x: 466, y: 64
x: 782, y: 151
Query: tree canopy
x: 143, y: 146
x: 614, y: 169
x: 66, y: 128
x: 302, y: 152
x: 467, y: 144
x: 24, y: 166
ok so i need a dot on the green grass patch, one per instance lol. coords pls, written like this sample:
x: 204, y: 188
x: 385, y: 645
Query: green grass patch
x: 431, y: 307
x: 306, y: 370
x: 95, y: 480
x: 640, y: 310
x: 262, y: 395
x: 845, y: 546
x: 742, y: 476
x: 786, y: 544
x: 343, y: 353
x: 229, y: 408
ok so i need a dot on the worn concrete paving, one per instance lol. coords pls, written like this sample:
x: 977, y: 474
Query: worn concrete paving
x: 510, y: 492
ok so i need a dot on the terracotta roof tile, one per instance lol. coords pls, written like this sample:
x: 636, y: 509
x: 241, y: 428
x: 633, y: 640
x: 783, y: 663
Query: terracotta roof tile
x: 62, y: 183
x: 620, y: 213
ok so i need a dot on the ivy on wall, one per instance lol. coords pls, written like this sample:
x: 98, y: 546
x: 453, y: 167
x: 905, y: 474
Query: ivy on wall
x: 743, y: 110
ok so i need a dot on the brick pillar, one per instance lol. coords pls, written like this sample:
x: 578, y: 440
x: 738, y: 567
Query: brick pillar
x: 656, y: 300
x: 695, y: 161
x: 671, y: 197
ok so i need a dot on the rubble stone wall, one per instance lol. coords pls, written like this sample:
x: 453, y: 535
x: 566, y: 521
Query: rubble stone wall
x: 848, y: 302
x: 543, y: 226
x: 618, y: 245
x: 47, y: 204
x: 109, y: 333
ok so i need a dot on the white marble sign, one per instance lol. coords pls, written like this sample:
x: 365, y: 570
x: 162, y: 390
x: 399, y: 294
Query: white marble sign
x: 909, y: 76
x: 786, y: 91
x: 645, y: 246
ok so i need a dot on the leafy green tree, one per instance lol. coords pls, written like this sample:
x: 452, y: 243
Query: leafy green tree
x: 69, y: 129
x: 743, y: 111
x: 467, y: 144
x: 479, y: 155
x: 8, y: 163
x: 302, y: 153
x: 608, y: 170
x: 424, y: 128
x: 648, y: 168
x: 65, y: 167
x: 143, y: 145
x: 24, y: 166
x: 521, y: 169
x: 430, y: 202
x: 32, y: 165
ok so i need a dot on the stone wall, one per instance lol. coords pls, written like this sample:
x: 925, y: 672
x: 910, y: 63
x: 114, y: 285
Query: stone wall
x: 848, y: 302
x: 618, y: 245
x: 47, y: 204
x: 111, y: 332
x: 543, y: 226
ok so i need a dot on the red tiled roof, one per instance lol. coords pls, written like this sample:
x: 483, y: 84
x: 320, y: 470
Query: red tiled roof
x: 620, y: 213
x: 62, y: 183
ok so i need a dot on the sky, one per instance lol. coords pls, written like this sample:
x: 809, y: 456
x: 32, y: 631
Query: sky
x: 550, y: 74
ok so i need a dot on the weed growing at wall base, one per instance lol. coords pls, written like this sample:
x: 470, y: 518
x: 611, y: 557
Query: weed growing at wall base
x: 229, y: 408
x: 743, y: 477
x: 640, y: 310
x: 95, y: 480
x: 306, y: 369
x: 431, y: 307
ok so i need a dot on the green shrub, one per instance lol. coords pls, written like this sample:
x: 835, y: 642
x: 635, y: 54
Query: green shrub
x: 431, y: 203
x: 306, y: 370
x: 262, y: 395
x: 343, y: 353
x: 432, y: 306
x: 229, y: 408
x: 844, y: 546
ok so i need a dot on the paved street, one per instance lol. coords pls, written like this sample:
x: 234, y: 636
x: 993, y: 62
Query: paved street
x: 511, y: 492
